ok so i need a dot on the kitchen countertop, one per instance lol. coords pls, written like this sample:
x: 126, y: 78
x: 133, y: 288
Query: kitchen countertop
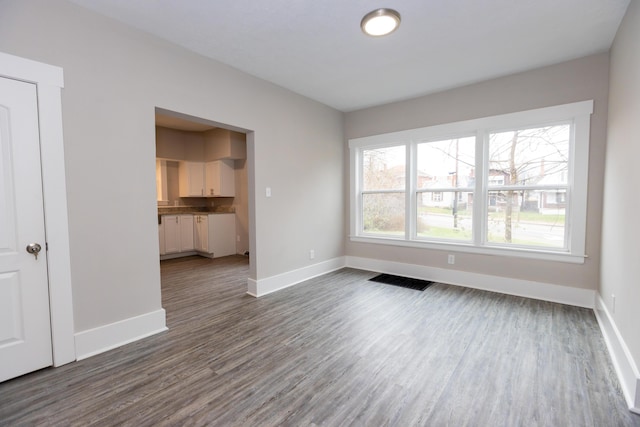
x: 176, y: 210
x: 192, y: 210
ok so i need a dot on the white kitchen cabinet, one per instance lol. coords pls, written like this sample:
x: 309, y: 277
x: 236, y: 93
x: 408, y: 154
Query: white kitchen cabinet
x: 210, y: 235
x: 171, y: 233
x: 161, y: 239
x: 191, y: 179
x: 186, y: 233
x: 210, y: 179
x: 201, y: 235
x: 178, y: 233
x: 222, y: 234
x: 215, y: 235
x: 161, y: 181
x: 220, y: 179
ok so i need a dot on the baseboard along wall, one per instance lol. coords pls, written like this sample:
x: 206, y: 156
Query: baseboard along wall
x: 524, y: 288
x: 623, y: 363
x: 505, y: 285
x: 107, y: 337
x: 258, y: 288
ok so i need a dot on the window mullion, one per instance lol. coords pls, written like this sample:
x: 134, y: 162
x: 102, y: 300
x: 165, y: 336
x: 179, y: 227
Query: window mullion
x: 480, y: 196
x: 356, y: 190
x: 411, y: 213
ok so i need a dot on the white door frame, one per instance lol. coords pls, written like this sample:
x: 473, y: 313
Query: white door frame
x: 49, y: 82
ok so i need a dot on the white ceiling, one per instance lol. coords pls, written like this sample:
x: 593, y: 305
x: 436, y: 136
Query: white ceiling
x: 316, y: 47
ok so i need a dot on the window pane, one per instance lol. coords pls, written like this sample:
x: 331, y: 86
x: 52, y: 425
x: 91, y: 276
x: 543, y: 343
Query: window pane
x: 445, y: 215
x: 384, y: 168
x: 446, y: 164
x: 383, y: 213
x: 527, y: 218
x: 536, y: 156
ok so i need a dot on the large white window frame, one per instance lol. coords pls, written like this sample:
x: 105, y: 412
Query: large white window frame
x: 577, y: 114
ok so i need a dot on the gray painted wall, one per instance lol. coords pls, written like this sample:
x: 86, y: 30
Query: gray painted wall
x: 114, y: 78
x: 572, y: 81
x: 621, y: 227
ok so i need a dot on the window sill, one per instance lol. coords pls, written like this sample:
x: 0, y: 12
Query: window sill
x: 468, y: 248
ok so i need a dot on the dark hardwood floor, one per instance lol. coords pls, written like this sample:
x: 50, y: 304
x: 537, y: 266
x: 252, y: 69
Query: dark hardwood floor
x: 335, y: 350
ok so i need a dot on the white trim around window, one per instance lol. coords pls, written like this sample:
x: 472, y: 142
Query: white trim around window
x: 577, y: 115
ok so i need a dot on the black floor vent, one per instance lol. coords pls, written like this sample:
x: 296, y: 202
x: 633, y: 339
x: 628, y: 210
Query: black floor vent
x: 405, y: 282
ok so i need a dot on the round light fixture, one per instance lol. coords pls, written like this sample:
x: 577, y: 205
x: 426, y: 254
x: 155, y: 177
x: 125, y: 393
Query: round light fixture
x: 380, y: 22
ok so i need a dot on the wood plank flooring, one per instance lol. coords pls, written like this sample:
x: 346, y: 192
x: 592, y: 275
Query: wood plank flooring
x: 337, y: 350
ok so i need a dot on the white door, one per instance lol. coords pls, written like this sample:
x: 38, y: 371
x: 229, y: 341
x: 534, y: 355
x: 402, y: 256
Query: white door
x: 25, y: 330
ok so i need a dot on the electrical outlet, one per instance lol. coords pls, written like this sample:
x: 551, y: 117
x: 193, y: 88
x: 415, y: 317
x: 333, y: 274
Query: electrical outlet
x: 312, y: 254
x: 451, y: 259
x: 238, y: 238
x: 267, y: 192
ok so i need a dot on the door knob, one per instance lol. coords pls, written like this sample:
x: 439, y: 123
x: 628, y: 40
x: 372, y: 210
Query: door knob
x: 34, y: 249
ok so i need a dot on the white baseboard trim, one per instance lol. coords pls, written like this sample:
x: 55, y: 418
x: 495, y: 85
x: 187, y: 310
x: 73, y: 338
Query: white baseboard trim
x: 621, y: 357
x: 103, y: 338
x: 178, y: 255
x: 261, y: 287
x: 524, y: 288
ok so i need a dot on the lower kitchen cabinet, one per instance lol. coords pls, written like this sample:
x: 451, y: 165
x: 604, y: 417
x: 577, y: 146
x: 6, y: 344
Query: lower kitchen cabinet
x: 215, y: 234
x: 161, y: 238
x: 171, y: 226
x: 186, y: 233
x: 210, y: 235
x: 201, y: 232
x: 178, y: 233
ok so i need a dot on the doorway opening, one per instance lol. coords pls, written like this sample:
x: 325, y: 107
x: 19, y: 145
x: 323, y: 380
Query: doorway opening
x: 203, y: 174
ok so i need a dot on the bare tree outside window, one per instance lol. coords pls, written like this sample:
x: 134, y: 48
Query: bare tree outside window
x: 383, y: 195
x: 532, y: 166
x: 445, y: 185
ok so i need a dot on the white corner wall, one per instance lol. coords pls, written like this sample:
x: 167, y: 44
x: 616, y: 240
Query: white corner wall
x: 619, y: 293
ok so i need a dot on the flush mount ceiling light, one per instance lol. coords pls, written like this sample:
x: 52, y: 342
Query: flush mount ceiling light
x: 380, y: 22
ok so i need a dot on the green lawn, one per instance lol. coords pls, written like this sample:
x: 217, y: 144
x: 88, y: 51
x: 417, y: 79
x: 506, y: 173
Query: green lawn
x: 523, y: 216
x: 446, y: 233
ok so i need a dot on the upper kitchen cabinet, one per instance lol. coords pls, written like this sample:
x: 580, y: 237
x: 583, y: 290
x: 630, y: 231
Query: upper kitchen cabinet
x: 191, y: 179
x: 224, y: 144
x: 220, y: 179
x: 210, y: 179
x: 161, y: 181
